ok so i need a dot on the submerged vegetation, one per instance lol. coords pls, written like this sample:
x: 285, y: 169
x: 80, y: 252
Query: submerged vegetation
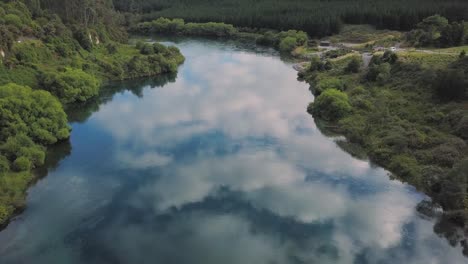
x: 50, y: 58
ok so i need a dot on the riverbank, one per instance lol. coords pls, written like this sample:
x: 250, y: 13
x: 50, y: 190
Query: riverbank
x: 46, y: 66
x: 394, y: 111
x: 387, y: 103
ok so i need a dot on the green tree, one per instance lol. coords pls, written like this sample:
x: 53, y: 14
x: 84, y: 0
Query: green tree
x: 331, y: 105
x: 288, y: 44
x: 4, y: 164
x: 72, y: 85
x: 35, y: 113
x: 354, y: 66
x: 22, y: 164
x: 450, y: 84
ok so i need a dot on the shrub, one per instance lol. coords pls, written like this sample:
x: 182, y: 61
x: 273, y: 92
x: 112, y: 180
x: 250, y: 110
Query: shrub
x: 83, y: 38
x: 462, y: 54
x: 288, y: 44
x: 160, y: 48
x: 446, y: 155
x: 404, y: 166
x: 111, y: 48
x: 379, y: 72
x: 389, y: 57
x: 316, y: 64
x: 4, y: 164
x: 450, y: 84
x: 354, y: 65
x: 268, y: 39
x: 329, y: 83
x: 22, y: 164
x: 146, y: 49
x: 14, y: 20
x: 331, y: 105
x: 461, y: 128
x: 22, y: 146
x: 72, y: 85
x: 34, y: 113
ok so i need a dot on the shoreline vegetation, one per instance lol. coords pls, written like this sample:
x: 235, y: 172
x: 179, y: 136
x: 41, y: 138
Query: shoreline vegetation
x: 48, y: 64
x: 406, y: 109
x: 284, y: 41
x: 317, y: 18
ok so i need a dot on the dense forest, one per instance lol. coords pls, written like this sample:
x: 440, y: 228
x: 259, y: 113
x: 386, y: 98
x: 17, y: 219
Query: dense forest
x: 316, y: 17
x: 54, y: 54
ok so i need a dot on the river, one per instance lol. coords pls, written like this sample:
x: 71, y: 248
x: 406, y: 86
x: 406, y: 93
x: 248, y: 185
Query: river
x: 219, y: 164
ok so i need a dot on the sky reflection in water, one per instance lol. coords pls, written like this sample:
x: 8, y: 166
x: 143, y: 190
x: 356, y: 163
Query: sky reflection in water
x: 221, y: 166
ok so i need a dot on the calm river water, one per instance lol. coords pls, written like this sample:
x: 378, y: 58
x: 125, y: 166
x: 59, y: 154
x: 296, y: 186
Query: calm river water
x: 219, y: 164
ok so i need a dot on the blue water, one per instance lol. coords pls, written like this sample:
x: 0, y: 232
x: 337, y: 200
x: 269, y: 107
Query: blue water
x: 219, y: 164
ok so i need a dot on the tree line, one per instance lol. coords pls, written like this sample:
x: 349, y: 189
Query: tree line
x: 317, y: 18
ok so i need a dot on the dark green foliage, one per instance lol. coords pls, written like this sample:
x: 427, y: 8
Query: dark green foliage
x: 461, y: 128
x: 83, y: 37
x: 4, y: 164
x: 450, y: 84
x: 331, y: 105
x: 316, y: 17
x: 389, y: 57
x: 22, y: 164
x: 437, y: 31
x: 68, y: 59
x: 316, y: 64
x: 71, y: 85
x: 111, y: 48
x: 379, y: 72
x: 35, y: 113
x: 354, y: 66
x: 332, y: 54
x: 178, y: 26
x: 405, y: 165
x: 288, y: 44
x: 21, y: 146
x: 285, y: 41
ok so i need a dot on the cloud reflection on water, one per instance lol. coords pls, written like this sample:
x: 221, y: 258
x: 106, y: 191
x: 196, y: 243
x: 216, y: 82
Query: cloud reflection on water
x: 225, y: 166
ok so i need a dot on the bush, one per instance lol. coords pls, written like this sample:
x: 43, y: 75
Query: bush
x: 354, y: 66
x: 389, y: 57
x: 146, y: 49
x: 4, y: 164
x: 35, y: 113
x: 288, y: 44
x: 462, y: 54
x: 111, y: 48
x: 22, y: 164
x: 22, y: 146
x: 461, y: 128
x: 450, y: 84
x: 14, y: 20
x: 328, y: 83
x: 83, y: 38
x: 72, y: 85
x: 316, y: 64
x: 379, y: 72
x: 404, y: 166
x: 331, y: 105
